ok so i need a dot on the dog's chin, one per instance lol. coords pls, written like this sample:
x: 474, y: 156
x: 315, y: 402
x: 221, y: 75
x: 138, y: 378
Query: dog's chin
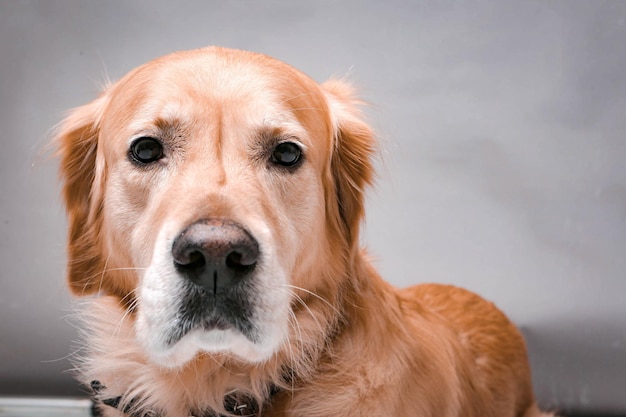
x: 199, y: 342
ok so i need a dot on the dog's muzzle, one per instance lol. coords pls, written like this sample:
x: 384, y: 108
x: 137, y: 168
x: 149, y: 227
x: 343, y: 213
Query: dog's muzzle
x: 217, y: 259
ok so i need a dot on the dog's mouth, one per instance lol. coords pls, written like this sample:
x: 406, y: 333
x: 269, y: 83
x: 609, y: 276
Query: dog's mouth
x: 204, y: 311
x: 217, y: 324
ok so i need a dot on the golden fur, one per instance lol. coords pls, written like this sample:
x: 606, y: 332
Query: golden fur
x: 346, y: 342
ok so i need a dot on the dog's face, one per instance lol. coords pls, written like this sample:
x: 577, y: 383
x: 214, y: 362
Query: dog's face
x: 217, y: 194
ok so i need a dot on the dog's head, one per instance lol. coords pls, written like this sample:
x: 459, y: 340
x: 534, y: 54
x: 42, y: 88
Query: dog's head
x: 218, y: 195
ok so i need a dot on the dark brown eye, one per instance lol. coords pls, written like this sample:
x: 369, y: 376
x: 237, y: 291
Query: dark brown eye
x: 146, y: 150
x: 286, y: 154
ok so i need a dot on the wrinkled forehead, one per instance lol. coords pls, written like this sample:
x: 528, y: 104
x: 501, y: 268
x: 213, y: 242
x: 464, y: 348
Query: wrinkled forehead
x: 238, y: 88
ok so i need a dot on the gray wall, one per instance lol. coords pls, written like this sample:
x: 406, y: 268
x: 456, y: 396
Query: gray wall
x: 502, y: 127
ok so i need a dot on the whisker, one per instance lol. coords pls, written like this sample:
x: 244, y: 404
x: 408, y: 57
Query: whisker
x: 320, y: 327
x: 128, y: 268
x: 107, y: 270
x: 325, y: 301
x: 102, y: 274
x: 120, y: 323
x: 292, y: 358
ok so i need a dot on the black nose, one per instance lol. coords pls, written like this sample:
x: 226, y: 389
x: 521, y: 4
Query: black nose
x: 215, y: 254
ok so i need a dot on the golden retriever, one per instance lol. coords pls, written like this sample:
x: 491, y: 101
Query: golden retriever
x: 214, y: 199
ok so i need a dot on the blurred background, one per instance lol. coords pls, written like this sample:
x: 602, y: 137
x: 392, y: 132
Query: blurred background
x: 503, y: 145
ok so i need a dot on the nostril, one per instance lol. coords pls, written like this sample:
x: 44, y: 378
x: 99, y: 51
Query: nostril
x: 233, y: 260
x: 194, y: 260
x: 239, y: 262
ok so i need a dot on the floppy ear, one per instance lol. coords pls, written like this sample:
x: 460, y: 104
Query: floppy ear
x: 83, y: 180
x: 351, y: 161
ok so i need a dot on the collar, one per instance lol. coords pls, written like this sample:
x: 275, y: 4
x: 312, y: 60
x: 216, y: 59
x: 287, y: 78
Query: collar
x: 235, y: 404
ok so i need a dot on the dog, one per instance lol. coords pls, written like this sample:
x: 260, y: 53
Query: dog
x: 214, y: 199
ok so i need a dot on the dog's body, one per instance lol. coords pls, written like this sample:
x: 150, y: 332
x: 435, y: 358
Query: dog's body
x: 214, y: 201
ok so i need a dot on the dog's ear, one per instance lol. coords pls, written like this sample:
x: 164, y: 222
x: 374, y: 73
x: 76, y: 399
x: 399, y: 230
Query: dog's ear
x: 353, y: 150
x: 82, y: 174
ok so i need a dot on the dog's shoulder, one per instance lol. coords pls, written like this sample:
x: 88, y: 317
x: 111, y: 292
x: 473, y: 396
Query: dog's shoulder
x: 493, y: 347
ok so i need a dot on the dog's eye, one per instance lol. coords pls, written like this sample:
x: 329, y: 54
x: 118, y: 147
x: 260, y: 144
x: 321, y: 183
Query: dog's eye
x: 146, y: 150
x: 286, y: 154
